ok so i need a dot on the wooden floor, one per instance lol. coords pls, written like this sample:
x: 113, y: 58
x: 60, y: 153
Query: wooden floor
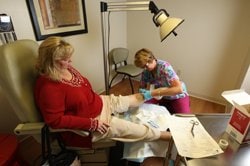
x: 30, y: 150
x: 196, y: 105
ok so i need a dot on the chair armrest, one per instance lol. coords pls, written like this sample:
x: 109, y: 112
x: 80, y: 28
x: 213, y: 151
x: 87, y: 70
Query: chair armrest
x: 79, y: 132
x: 29, y: 128
x: 35, y: 128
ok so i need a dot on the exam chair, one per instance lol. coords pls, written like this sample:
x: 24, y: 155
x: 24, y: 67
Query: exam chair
x: 17, y: 79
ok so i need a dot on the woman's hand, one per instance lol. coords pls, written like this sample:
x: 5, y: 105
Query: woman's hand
x: 102, y: 127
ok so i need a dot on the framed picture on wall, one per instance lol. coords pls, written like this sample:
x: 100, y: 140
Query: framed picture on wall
x: 57, y: 17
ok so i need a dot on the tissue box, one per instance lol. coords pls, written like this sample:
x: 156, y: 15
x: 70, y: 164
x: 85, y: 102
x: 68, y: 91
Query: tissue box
x: 238, y: 125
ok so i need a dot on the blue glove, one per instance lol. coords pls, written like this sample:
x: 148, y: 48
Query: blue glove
x: 146, y: 94
x: 142, y: 90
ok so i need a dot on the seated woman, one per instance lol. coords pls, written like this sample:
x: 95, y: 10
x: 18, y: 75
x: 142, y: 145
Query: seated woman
x: 67, y: 100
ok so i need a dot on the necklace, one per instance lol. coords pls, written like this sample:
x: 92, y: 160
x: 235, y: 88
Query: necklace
x: 76, y: 80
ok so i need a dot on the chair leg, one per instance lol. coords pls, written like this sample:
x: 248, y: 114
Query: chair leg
x: 177, y: 160
x: 124, y: 76
x: 112, y: 81
x: 130, y: 81
x: 168, y: 153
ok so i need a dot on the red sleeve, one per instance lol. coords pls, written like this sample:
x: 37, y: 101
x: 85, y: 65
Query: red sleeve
x: 50, y: 100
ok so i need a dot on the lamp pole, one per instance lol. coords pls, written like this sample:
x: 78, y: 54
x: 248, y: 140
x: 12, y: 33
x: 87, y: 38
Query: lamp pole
x: 104, y: 48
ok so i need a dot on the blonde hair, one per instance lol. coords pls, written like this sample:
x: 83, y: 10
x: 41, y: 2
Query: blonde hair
x: 142, y: 57
x: 51, y: 50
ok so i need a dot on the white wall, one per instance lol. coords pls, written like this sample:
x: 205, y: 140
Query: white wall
x: 211, y: 46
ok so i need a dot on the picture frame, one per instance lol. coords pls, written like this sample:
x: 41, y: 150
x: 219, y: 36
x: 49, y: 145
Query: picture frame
x: 57, y: 17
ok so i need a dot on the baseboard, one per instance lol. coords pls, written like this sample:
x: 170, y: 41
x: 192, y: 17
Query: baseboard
x: 206, y: 98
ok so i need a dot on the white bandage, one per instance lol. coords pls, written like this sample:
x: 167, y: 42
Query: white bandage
x: 119, y: 103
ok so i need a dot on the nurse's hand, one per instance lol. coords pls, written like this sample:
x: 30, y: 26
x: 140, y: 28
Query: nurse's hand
x: 146, y: 94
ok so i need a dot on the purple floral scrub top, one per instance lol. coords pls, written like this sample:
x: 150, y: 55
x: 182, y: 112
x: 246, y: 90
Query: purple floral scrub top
x: 164, y: 75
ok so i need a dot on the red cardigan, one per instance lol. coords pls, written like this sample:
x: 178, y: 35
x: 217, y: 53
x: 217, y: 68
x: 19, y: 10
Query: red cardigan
x: 68, y: 104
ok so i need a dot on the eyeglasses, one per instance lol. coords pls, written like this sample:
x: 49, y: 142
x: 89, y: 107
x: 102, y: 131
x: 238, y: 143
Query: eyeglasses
x: 147, y: 64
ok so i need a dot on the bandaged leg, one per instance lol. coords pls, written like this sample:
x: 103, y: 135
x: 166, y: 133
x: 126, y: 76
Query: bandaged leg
x: 126, y: 131
x: 121, y: 104
x: 118, y: 104
x: 135, y: 100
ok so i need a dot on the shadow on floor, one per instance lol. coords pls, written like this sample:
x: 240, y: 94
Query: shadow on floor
x: 115, y: 156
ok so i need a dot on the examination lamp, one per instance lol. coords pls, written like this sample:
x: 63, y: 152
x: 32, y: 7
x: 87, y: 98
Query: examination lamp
x: 161, y: 19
